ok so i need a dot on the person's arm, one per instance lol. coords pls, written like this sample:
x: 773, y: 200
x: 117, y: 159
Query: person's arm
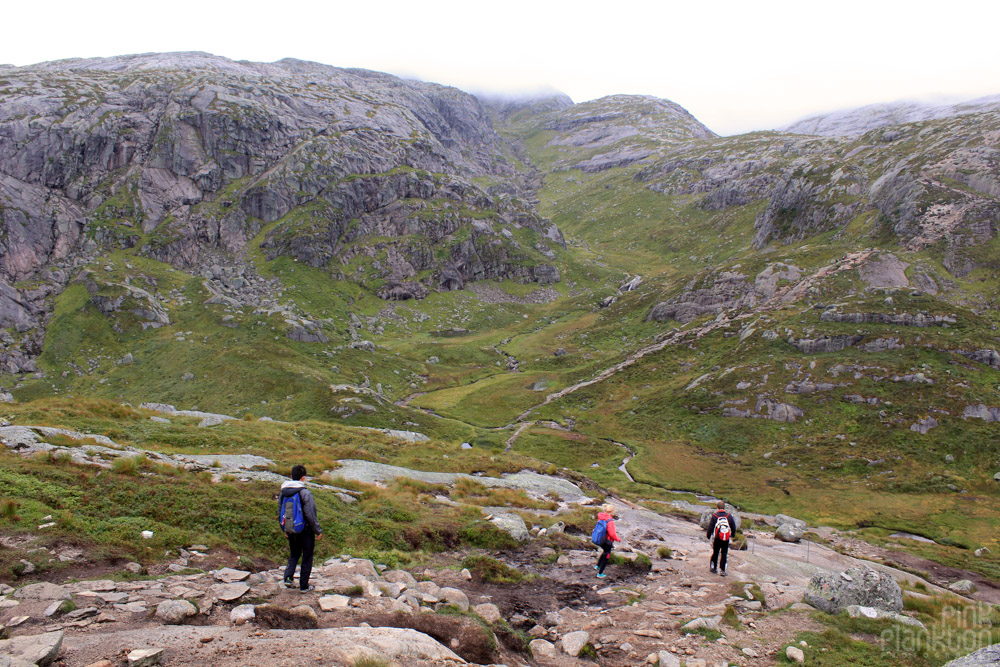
x: 309, y: 511
x: 711, y: 526
x: 612, y: 533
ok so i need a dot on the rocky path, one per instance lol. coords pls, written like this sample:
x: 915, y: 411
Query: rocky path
x: 228, y: 617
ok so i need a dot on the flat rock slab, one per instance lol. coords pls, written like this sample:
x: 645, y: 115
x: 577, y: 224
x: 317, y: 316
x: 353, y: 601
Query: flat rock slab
x: 228, y: 592
x: 38, y: 650
x: 145, y: 657
x: 531, y: 482
x: 332, y: 602
x: 229, y: 575
x: 43, y: 591
x: 247, y: 645
x: 98, y: 586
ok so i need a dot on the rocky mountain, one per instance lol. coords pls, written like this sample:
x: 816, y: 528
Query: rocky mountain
x: 188, y: 157
x: 854, y: 122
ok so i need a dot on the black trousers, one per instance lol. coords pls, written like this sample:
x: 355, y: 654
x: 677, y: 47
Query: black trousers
x: 301, y: 546
x: 602, y: 560
x: 720, y: 550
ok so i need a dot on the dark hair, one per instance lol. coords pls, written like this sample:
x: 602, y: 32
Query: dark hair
x: 721, y: 505
x: 298, y: 472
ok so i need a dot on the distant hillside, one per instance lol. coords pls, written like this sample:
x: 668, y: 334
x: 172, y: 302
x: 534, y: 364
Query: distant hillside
x: 852, y: 122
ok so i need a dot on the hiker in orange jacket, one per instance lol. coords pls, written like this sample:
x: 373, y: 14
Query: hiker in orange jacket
x: 610, y: 537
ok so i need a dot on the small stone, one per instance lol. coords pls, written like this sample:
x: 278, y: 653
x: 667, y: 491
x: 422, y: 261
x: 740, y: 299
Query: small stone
x: 144, y: 657
x: 175, y: 612
x: 574, y: 642
x: 489, y: 612
x: 795, y: 654
x: 455, y: 597
x: 242, y: 614
x: 668, y: 659
x: 134, y: 568
x: 538, y: 631
x: 465, y: 574
x: 542, y: 648
x: 101, y: 663
x: 332, y: 602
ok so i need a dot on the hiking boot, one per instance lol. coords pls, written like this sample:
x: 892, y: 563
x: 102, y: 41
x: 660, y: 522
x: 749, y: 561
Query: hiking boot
x: 601, y: 575
x: 288, y: 583
x: 308, y: 589
x: 711, y: 568
x: 597, y: 567
x: 723, y: 574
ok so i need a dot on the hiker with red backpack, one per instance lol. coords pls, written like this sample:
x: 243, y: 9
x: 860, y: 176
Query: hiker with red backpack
x: 297, y: 516
x: 604, y: 536
x: 720, y: 531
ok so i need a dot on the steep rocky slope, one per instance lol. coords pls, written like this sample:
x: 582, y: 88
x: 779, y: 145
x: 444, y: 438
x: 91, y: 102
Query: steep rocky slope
x: 186, y: 158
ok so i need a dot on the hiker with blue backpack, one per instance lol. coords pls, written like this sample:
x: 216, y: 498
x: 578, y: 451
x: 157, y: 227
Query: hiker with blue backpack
x: 297, y: 516
x: 604, y: 536
x: 720, y: 531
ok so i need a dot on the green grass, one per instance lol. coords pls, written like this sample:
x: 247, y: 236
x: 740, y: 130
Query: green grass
x: 493, y: 571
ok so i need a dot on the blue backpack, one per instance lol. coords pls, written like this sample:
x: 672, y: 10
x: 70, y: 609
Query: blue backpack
x: 600, y: 532
x: 290, y: 515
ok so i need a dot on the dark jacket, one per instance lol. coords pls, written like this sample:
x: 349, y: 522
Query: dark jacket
x: 717, y: 516
x: 290, y: 488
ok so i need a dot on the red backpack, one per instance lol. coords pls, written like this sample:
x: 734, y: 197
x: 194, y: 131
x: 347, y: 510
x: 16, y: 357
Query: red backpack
x: 723, y: 531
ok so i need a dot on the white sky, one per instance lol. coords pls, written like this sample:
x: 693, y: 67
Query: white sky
x: 737, y: 66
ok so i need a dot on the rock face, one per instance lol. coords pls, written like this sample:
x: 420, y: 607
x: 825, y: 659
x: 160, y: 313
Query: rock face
x: 897, y: 319
x: 984, y: 657
x: 200, y: 152
x: 864, y: 587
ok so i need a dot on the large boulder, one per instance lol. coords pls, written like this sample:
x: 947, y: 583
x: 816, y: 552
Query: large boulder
x: 790, y: 532
x: 857, y: 586
x: 511, y: 524
x: 706, y: 517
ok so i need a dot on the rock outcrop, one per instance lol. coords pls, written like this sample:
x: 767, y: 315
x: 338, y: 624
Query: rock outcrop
x: 835, y: 592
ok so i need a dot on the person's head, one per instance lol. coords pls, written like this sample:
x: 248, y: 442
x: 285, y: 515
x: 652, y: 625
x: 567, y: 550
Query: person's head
x: 298, y: 472
x: 609, y: 508
x: 721, y: 505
